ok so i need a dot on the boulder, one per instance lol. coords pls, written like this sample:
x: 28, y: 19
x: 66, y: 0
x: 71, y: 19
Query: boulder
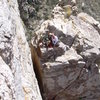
x: 72, y: 73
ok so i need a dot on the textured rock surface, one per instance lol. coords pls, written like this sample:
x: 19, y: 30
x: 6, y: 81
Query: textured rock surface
x: 34, y: 12
x: 17, y: 78
x: 91, y: 7
x: 74, y: 74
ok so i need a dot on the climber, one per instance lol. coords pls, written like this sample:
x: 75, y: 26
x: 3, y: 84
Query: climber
x: 53, y: 43
x: 49, y: 40
x: 45, y: 39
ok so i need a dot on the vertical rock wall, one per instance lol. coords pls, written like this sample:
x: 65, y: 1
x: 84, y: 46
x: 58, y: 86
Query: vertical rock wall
x: 17, y: 78
x: 72, y: 70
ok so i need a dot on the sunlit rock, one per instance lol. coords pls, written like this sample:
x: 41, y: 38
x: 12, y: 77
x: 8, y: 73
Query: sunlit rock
x: 17, y: 77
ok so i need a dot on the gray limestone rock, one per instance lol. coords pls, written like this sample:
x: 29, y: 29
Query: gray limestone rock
x: 74, y: 70
x: 17, y: 78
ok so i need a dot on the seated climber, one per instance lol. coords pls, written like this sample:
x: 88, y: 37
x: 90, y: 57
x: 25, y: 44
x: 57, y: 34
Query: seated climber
x: 50, y: 40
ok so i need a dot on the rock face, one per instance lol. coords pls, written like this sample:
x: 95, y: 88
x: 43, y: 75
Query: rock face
x: 17, y: 78
x: 35, y: 11
x: 91, y: 7
x: 71, y: 71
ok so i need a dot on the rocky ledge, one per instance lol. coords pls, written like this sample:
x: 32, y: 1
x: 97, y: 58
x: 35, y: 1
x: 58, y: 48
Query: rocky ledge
x: 71, y: 71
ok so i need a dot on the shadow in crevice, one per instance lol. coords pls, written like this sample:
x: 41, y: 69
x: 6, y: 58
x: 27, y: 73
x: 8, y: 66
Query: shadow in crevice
x: 37, y: 68
x: 52, y: 54
x: 97, y: 28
